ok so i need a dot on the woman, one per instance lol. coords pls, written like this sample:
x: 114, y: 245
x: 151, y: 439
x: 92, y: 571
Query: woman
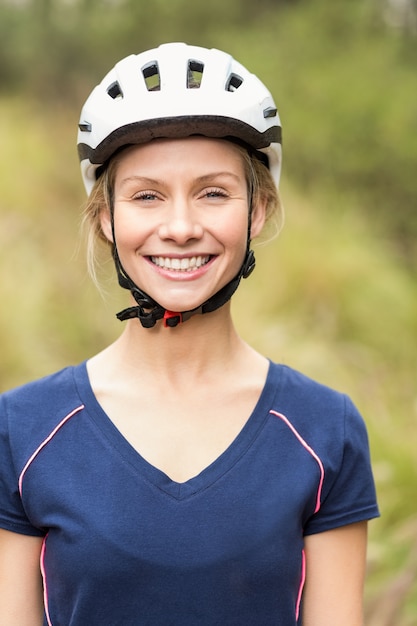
x: 179, y: 477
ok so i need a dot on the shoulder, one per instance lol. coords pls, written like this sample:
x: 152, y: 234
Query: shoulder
x: 39, y: 396
x: 321, y: 415
x: 299, y: 392
x: 40, y: 386
x: 30, y: 412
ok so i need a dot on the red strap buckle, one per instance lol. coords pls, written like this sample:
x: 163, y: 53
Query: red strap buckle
x: 172, y: 318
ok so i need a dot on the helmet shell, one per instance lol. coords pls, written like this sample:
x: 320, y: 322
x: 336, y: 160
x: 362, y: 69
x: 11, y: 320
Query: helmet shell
x: 175, y: 91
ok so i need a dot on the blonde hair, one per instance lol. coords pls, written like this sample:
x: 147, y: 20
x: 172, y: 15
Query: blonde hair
x: 260, y: 183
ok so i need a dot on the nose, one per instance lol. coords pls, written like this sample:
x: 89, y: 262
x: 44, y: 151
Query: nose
x: 181, y: 223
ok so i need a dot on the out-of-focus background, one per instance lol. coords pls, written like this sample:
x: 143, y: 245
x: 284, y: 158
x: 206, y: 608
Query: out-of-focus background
x: 334, y: 296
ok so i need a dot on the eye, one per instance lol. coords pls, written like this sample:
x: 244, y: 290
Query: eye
x: 214, y: 193
x: 146, y: 196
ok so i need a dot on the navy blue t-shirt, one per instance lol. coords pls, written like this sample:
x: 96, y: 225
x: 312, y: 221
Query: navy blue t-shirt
x: 124, y: 545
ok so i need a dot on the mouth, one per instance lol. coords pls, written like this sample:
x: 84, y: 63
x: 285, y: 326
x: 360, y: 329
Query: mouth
x: 187, y: 264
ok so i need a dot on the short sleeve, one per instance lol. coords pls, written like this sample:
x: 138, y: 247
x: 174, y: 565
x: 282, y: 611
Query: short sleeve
x: 349, y: 493
x: 12, y: 514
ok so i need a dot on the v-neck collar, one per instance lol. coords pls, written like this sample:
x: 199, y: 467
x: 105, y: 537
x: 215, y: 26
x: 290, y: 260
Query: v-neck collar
x: 213, y: 472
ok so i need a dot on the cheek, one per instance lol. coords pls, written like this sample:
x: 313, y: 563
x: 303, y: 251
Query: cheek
x: 238, y: 226
x: 235, y: 233
x: 129, y: 229
x: 237, y: 238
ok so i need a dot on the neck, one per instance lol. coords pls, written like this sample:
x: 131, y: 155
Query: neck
x: 203, y: 344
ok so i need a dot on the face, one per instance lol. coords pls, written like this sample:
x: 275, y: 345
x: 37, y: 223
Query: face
x: 181, y: 218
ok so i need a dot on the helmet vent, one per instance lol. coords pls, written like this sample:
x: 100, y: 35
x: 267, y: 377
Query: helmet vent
x: 194, y: 74
x: 152, y: 77
x: 270, y: 112
x: 115, y: 91
x: 233, y: 82
x: 85, y: 127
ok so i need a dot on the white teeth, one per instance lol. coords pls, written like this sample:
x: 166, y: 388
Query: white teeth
x: 183, y: 265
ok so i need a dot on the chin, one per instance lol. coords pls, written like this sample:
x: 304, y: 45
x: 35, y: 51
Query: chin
x: 183, y: 305
x: 183, y: 302
x: 185, y: 298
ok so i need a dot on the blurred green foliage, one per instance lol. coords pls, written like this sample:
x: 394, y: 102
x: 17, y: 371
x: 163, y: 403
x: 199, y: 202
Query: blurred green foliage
x: 334, y: 296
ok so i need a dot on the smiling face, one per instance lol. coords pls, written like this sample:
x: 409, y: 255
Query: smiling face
x: 181, y: 218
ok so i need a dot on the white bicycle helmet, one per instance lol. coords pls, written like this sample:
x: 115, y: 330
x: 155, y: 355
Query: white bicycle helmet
x: 175, y: 91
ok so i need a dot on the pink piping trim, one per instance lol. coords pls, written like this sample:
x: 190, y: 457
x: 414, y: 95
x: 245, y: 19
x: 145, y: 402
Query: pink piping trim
x: 45, y: 586
x: 21, y: 477
x: 44, y: 443
x: 311, y: 451
x: 303, y: 579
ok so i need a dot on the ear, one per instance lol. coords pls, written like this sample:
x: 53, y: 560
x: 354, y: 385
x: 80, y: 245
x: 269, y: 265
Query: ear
x: 106, y: 225
x: 258, y: 217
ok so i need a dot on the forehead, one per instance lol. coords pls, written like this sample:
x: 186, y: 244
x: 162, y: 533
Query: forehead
x: 188, y: 154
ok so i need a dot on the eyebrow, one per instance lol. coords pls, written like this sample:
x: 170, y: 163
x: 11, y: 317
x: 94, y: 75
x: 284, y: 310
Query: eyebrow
x: 201, y: 179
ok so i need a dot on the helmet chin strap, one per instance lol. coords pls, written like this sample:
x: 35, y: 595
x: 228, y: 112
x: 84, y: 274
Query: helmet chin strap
x: 149, y: 312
